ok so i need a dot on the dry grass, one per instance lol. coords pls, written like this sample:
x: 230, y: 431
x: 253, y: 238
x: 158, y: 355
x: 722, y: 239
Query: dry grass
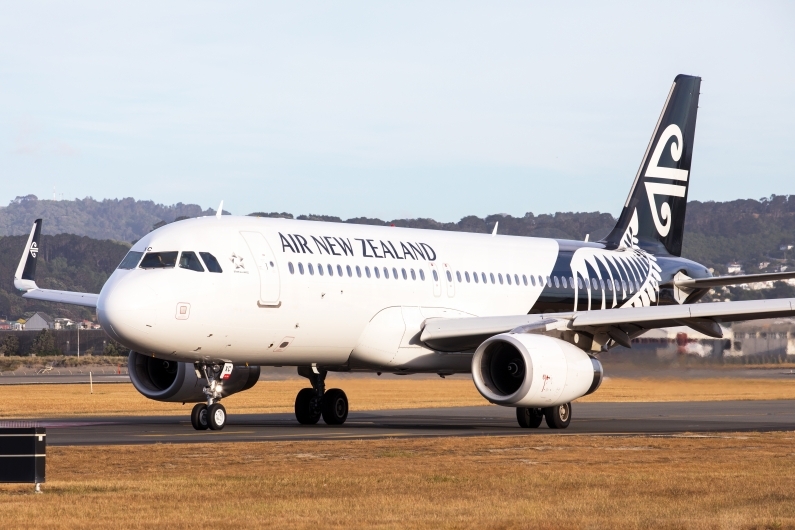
x: 34, y: 401
x: 552, y: 481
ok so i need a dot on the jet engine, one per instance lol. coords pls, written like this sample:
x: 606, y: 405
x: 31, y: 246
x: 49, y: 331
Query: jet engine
x: 526, y: 370
x: 173, y: 381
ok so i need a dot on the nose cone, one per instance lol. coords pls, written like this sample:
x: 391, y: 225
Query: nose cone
x: 128, y: 309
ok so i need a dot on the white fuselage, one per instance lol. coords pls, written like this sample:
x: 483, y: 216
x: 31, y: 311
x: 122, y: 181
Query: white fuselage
x: 263, y: 310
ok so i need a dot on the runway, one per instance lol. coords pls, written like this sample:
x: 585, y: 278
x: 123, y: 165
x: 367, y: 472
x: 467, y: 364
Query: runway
x: 587, y: 419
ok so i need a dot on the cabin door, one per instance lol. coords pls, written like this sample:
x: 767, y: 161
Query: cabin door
x: 265, y: 261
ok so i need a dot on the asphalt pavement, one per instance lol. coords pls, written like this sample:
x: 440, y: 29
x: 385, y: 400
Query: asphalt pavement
x: 677, y: 419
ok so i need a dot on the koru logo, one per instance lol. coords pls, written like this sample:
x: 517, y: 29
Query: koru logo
x: 237, y: 260
x: 663, y: 221
x: 34, y: 249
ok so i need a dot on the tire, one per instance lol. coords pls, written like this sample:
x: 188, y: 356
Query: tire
x: 529, y: 418
x: 198, y: 417
x: 559, y: 416
x: 216, y: 416
x: 335, y: 407
x: 305, y: 412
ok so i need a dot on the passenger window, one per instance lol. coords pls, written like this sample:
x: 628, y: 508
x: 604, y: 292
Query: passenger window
x: 289, y: 267
x: 449, y: 277
x: 466, y: 275
x: 190, y: 261
x: 300, y: 267
x: 320, y: 269
x: 602, y: 283
x: 348, y: 269
x: 339, y: 270
x: 367, y: 271
x: 131, y: 260
x: 594, y: 283
x: 358, y: 271
x: 422, y: 275
x: 532, y: 280
x: 609, y: 285
x: 508, y: 278
x: 541, y: 280
x: 159, y: 260
x: 499, y: 277
x: 311, y: 269
x: 557, y: 284
x: 549, y: 281
x: 475, y: 277
x: 516, y: 278
x: 210, y: 262
x: 377, y: 272
x: 413, y: 275
x: 386, y: 273
x: 405, y: 276
x: 435, y: 276
x: 394, y: 273
x: 491, y: 275
x: 579, y: 282
x: 563, y: 281
x: 623, y: 285
x: 571, y: 282
x: 458, y: 276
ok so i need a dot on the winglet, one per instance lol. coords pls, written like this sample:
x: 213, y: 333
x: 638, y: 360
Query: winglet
x: 220, y: 211
x: 25, y: 277
x: 494, y: 232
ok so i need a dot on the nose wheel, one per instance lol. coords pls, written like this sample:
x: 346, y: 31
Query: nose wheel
x: 313, y: 403
x: 210, y: 415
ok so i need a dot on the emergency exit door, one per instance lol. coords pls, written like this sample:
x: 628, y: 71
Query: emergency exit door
x: 265, y: 260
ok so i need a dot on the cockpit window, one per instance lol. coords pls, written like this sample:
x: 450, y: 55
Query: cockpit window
x: 189, y: 260
x: 211, y: 262
x: 131, y: 260
x: 159, y: 260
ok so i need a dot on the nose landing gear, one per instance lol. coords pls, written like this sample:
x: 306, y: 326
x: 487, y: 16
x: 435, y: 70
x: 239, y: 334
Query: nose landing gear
x: 312, y: 403
x: 211, y: 415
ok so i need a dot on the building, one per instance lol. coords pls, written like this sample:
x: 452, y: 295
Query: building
x: 40, y: 321
x: 734, y: 268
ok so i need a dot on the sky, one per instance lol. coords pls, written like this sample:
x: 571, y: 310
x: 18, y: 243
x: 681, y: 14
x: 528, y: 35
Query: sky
x: 389, y: 110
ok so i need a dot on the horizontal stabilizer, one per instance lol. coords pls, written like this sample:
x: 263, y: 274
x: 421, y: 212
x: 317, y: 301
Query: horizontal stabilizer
x: 719, y: 281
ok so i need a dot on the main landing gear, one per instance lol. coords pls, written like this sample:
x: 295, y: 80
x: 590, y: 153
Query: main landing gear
x: 211, y: 415
x: 557, y: 417
x: 312, y: 403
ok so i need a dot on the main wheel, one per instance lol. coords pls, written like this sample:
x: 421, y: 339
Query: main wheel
x: 305, y: 411
x: 558, y: 417
x: 216, y: 416
x: 198, y: 417
x: 529, y: 417
x: 335, y: 407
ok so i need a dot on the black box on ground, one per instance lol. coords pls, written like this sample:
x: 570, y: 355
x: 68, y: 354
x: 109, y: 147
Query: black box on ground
x: 22, y: 454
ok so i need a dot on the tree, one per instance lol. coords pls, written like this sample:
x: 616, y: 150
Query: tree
x: 9, y: 346
x: 44, y: 344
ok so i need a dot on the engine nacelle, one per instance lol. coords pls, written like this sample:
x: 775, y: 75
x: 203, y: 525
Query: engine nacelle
x: 174, y: 381
x: 524, y: 370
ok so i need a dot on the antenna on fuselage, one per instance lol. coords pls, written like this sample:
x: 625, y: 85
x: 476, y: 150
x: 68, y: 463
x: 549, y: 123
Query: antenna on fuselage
x: 586, y: 237
x: 494, y: 232
x: 220, y: 211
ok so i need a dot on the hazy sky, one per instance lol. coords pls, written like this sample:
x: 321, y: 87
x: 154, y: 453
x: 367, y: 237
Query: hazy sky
x: 426, y: 109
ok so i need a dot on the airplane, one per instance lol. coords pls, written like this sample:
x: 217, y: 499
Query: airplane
x: 203, y: 303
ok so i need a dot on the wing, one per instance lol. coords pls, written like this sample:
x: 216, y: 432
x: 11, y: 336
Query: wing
x: 618, y: 325
x: 25, y: 277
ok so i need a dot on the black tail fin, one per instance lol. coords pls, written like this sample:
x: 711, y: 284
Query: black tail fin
x: 655, y: 209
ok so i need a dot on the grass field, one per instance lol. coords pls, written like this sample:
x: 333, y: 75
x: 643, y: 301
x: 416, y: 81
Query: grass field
x: 726, y: 481
x: 34, y: 401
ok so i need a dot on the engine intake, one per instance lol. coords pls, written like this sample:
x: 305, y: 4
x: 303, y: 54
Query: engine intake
x: 524, y: 370
x: 174, y: 381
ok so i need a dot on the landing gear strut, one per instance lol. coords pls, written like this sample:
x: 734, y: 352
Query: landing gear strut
x: 557, y: 417
x: 312, y: 403
x: 211, y: 415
